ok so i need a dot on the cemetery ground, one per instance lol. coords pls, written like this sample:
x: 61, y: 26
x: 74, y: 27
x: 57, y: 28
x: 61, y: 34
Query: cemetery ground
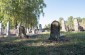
x: 38, y: 45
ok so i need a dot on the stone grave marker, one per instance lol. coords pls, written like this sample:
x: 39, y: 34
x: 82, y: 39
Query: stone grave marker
x: 55, y: 31
x: 8, y: 29
x: 17, y: 30
x: 40, y: 28
x: 0, y: 28
x: 63, y: 26
x: 22, y: 32
x: 27, y: 31
x: 76, y: 25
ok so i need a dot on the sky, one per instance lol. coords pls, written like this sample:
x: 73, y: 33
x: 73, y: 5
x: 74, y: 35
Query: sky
x: 62, y: 8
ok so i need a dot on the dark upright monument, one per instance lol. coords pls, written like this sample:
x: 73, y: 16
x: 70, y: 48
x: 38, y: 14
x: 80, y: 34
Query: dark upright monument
x: 55, y: 31
x: 22, y: 32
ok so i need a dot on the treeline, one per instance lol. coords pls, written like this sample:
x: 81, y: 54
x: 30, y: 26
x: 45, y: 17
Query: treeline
x: 26, y: 12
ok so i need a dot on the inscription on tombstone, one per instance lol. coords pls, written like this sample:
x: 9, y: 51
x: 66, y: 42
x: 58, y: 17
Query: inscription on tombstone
x: 55, y: 31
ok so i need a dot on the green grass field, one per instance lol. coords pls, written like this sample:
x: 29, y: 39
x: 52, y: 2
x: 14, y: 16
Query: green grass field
x: 39, y: 46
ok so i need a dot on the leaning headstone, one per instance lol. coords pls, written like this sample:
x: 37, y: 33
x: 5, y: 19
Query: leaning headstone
x: 8, y: 29
x: 63, y: 26
x: 0, y: 28
x: 76, y: 25
x: 55, y: 31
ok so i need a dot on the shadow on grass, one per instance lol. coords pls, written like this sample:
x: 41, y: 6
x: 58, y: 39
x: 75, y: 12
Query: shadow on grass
x: 15, y: 47
x: 20, y: 49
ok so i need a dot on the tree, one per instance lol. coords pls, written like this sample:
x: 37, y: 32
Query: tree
x: 70, y: 22
x: 60, y: 19
x: 83, y: 20
x: 79, y: 19
x: 83, y: 23
x: 47, y: 27
x: 25, y: 11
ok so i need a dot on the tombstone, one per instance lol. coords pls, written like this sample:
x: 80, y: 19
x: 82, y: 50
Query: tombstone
x: 36, y: 27
x: 33, y: 31
x: 0, y: 28
x: 27, y: 31
x: 17, y: 30
x: 76, y: 25
x: 55, y: 31
x: 22, y: 32
x: 40, y: 28
x: 36, y: 31
x: 8, y: 29
x: 63, y: 26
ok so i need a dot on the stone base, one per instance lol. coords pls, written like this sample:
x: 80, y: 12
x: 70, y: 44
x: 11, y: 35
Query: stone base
x: 61, y: 38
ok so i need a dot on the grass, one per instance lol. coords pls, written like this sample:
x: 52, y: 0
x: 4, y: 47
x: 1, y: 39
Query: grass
x: 39, y: 46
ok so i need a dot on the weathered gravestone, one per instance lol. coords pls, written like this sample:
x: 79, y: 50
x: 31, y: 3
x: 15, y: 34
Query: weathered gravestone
x: 76, y: 25
x: 40, y: 28
x: 27, y: 31
x: 8, y: 29
x: 17, y: 30
x: 0, y: 28
x: 22, y: 32
x: 55, y: 31
x: 36, y: 30
x: 63, y: 26
x: 33, y: 31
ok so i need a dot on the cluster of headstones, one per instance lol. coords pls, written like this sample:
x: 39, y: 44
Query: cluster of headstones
x: 65, y: 28
x: 35, y: 30
x: 38, y: 29
x: 7, y: 30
